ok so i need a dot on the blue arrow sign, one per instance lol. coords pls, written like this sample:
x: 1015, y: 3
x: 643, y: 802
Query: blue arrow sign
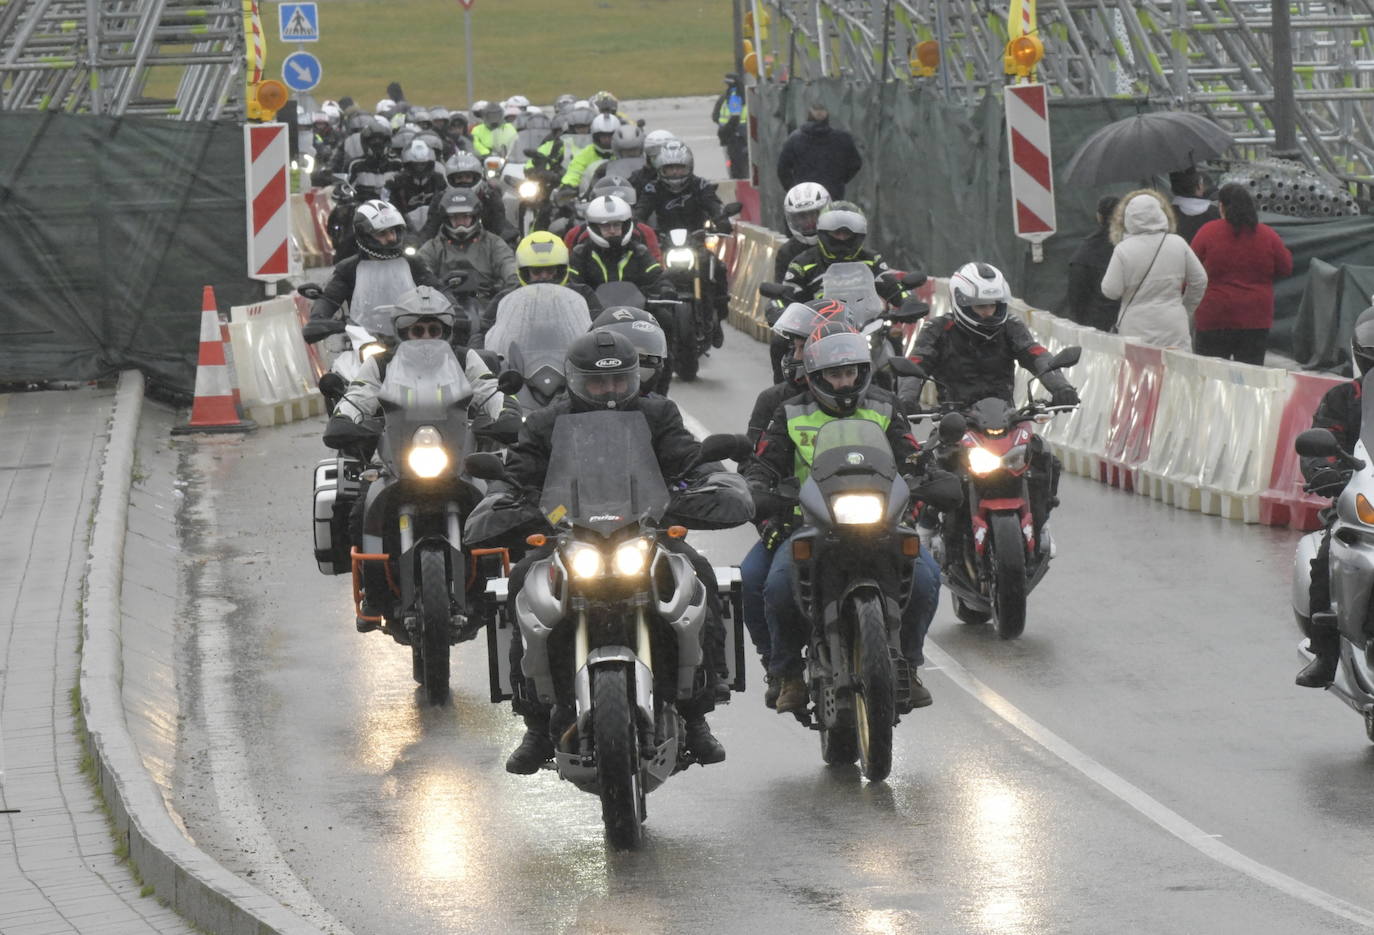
x: 300, y: 22
x: 301, y: 71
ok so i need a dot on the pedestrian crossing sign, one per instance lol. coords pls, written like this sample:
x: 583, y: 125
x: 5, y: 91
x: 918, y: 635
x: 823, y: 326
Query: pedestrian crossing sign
x: 300, y: 22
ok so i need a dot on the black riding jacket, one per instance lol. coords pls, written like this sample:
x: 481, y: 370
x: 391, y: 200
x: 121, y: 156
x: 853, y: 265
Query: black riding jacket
x: 691, y: 207
x: 971, y: 367
x: 339, y: 289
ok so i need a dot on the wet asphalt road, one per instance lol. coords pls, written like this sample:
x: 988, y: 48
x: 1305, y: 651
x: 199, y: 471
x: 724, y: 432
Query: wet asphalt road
x: 1139, y: 761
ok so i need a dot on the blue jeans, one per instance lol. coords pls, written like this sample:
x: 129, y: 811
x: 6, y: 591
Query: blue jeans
x: 787, y: 626
x: 753, y: 571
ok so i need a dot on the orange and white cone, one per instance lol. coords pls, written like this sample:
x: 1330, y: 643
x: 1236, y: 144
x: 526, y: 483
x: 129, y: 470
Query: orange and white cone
x: 216, y: 404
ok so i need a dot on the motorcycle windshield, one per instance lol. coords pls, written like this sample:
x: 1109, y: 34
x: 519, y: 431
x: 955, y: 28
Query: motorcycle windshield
x: 852, y: 284
x: 1367, y: 413
x: 424, y: 381
x: 534, y: 326
x: 622, y: 293
x: 852, y: 446
x: 602, y: 472
x: 377, y: 286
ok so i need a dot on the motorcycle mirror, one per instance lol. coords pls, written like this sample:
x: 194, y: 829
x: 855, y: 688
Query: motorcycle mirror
x: 733, y: 208
x: 940, y: 489
x: 316, y: 331
x: 510, y: 382
x: 905, y: 367
x: 914, y: 278
x: 332, y: 385
x: 1317, y: 443
x: 484, y: 465
x: 952, y: 428
x: 1066, y: 357
x: 734, y: 447
x: 775, y: 290
x: 311, y: 290
x: 456, y: 279
x: 912, y: 309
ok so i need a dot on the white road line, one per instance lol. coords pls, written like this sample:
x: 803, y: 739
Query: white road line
x: 1138, y: 799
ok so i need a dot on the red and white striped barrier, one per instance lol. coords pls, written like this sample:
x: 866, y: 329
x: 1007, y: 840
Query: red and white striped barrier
x: 267, y: 157
x: 1032, y: 179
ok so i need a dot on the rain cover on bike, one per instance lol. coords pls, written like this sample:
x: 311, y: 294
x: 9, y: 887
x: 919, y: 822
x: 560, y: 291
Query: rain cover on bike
x: 852, y: 284
x: 534, y: 326
x: 376, y: 287
x: 424, y: 381
x: 603, y: 472
x: 852, y: 446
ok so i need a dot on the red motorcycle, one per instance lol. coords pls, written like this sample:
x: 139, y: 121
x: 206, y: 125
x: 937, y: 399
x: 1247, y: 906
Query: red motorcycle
x: 990, y: 551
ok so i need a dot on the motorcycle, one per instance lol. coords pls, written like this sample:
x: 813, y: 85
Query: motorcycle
x: 853, y: 556
x: 1352, y: 560
x: 693, y: 261
x: 534, y: 326
x: 611, y: 620
x: 612, y: 294
x: 990, y: 552
x: 365, y: 334
x: 416, y: 503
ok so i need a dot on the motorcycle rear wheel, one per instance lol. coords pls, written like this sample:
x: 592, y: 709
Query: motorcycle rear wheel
x: 1008, y: 559
x: 686, y: 360
x: 617, y: 757
x: 434, y: 624
x: 874, y: 697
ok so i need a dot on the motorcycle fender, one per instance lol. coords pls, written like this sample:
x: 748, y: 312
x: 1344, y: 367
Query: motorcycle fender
x: 1302, y: 573
x: 613, y: 655
x: 685, y: 612
x: 538, y: 611
x: 896, y: 500
x: 1352, y: 577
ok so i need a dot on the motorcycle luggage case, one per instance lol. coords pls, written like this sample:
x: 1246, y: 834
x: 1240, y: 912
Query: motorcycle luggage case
x: 331, y: 521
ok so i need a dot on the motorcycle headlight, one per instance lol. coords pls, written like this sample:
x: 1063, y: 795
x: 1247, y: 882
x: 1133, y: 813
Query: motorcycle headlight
x: 631, y: 557
x: 857, y: 509
x: 585, y: 561
x: 1015, y: 459
x: 680, y: 258
x: 528, y: 190
x: 427, y: 457
x: 371, y: 349
x: 982, y: 461
x: 410, y: 251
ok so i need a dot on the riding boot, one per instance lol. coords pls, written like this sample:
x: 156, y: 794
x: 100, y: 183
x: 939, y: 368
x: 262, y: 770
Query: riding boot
x: 701, y: 743
x: 535, y: 748
x: 1325, y: 644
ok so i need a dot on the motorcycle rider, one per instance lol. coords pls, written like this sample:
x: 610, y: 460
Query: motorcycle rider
x: 972, y: 354
x: 463, y: 245
x: 593, y: 386
x: 643, y: 233
x: 419, y: 314
x: 380, y: 271
x: 802, y: 207
x: 678, y: 198
x: 838, y: 368
x: 1340, y: 412
x: 653, y: 145
x: 464, y: 170
x: 610, y: 253
x: 417, y: 184
x: 603, y: 129
x: 494, y: 134
x: 540, y: 257
x: 840, y: 234
x: 376, y: 158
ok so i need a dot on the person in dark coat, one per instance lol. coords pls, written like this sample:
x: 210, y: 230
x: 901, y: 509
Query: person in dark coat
x: 1191, y: 205
x: 1085, y: 302
x: 819, y: 153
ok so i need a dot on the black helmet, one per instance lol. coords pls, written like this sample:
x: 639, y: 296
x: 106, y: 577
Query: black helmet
x: 371, y: 220
x: 602, y: 370
x: 1362, y: 342
x: 460, y: 201
x: 836, y: 344
x: 645, y: 334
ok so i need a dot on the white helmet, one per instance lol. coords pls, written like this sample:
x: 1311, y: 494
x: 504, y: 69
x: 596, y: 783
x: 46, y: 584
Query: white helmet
x: 802, y: 207
x: 654, y: 142
x: 385, y: 106
x: 609, y: 209
x: 518, y: 100
x: 605, y: 125
x: 979, y: 284
x: 477, y: 108
x: 628, y: 141
x: 332, y: 111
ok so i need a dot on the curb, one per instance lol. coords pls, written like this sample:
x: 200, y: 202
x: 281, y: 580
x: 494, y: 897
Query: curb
x: 184, y: 877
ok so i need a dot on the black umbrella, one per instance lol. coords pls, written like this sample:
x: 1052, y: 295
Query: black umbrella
x: 1146, y: 145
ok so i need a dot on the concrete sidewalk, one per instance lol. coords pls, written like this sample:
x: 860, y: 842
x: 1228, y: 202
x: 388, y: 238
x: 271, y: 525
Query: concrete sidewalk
x: 58, y: 870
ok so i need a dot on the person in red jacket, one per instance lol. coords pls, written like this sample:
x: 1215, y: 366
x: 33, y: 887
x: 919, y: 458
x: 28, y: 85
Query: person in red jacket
x: 1242, y: 258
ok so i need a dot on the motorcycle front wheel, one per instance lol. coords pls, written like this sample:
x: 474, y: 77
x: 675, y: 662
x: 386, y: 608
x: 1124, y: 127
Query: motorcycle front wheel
x: 874, y: 702
x: 1008, y: 561
x: 434, y: 625
x: 617, y: 757
x: 685, y: 360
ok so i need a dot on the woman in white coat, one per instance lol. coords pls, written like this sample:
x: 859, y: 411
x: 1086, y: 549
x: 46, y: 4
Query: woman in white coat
x: 1154, y: 273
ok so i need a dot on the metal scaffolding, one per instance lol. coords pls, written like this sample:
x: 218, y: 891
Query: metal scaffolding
x: 1210, y: 56
x: 98, y: 56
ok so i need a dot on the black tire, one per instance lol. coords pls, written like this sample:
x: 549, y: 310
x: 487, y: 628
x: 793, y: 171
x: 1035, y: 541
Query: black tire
x: 417, y: 665
x: 874, y: 701
x: 686, y: 360
x: 434, y: 625
x: 839, y: 745
x: 616, y: 744
x: 1008, y: 559
x: 967, y: 614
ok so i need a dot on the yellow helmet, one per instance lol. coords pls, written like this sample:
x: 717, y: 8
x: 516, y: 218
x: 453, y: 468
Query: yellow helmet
x: 541, y: 250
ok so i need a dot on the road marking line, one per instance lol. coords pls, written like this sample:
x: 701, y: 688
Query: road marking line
x: 1141, y: 801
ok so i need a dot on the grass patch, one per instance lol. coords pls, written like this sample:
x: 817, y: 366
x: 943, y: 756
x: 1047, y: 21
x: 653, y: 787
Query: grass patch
x: 538, y: 48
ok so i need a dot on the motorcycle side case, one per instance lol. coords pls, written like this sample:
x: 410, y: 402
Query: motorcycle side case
x: 333, y: 503
x: 1302, y: 578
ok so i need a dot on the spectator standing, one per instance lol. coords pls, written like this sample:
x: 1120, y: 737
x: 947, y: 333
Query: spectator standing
x: 1153, y: 272
x: 1243, y: 258
x: 1085, y: 302
x: 1191, y: 205
x: 819, y: 153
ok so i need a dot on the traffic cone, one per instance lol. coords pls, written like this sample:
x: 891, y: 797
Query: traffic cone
x: 216, y: 407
